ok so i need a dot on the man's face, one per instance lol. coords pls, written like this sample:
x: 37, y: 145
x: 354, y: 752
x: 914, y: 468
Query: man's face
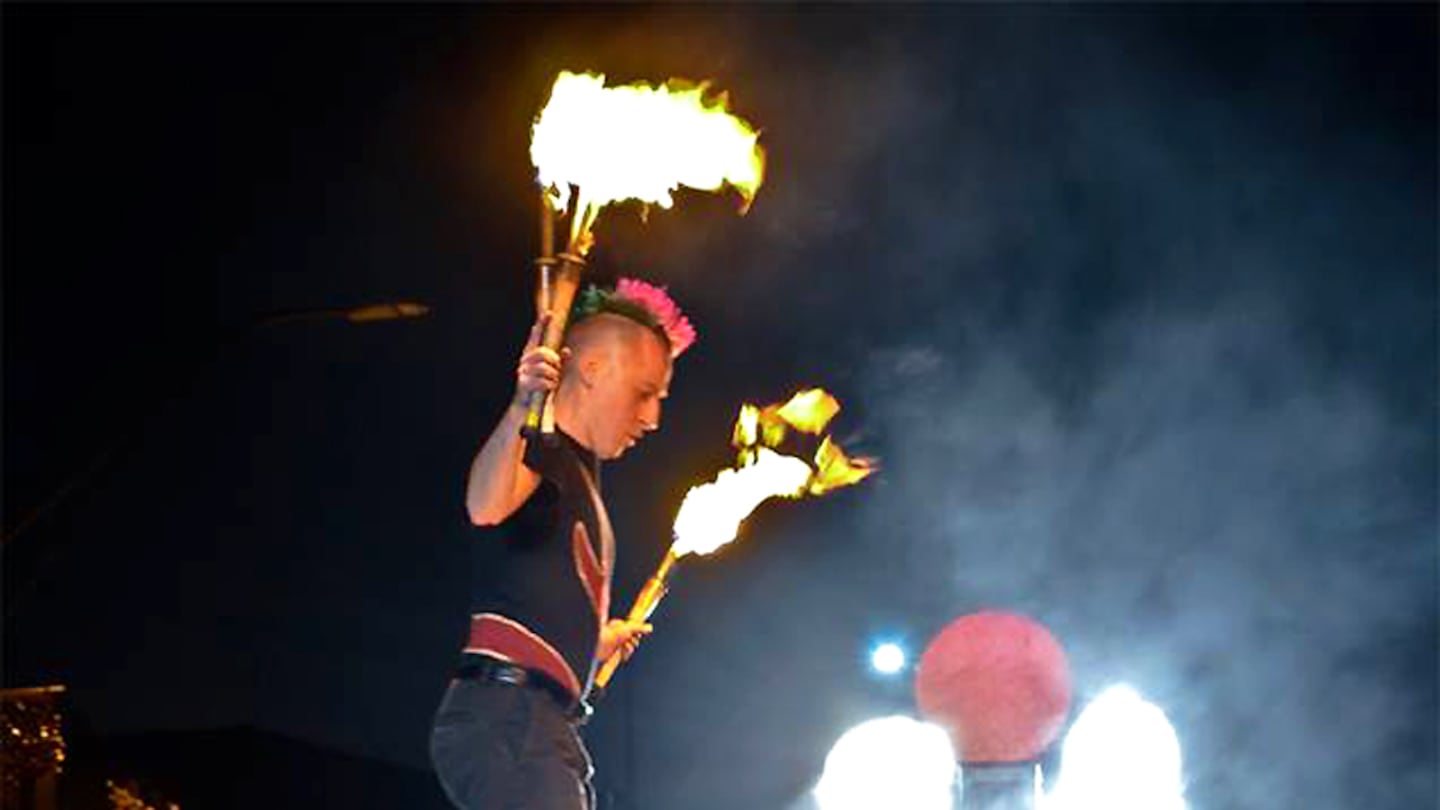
x: 625, y: 401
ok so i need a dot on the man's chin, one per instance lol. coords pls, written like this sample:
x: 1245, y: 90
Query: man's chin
x: 620, y: 450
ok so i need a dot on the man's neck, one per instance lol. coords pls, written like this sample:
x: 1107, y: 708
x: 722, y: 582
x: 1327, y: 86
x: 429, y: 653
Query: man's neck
x: 567, y: 421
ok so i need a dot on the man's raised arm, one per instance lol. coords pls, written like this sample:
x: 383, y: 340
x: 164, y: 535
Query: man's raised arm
x: 499, y: 481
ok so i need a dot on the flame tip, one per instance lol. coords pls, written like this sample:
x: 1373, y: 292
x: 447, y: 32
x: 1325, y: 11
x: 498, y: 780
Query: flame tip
x: 580, y: 143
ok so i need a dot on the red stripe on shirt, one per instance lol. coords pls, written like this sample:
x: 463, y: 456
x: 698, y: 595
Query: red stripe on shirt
x: 493, y: 634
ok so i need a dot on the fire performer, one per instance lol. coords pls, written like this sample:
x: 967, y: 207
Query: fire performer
x: 505, y: 735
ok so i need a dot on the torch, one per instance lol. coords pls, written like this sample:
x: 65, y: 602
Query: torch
x: 711, y: 513
x: 645, y: 603
x: 594, y: 145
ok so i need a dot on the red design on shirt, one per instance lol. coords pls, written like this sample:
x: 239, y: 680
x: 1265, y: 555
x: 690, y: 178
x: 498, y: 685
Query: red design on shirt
x: 593, y: 576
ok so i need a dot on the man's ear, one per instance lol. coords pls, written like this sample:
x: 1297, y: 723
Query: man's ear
x: 590, y: 367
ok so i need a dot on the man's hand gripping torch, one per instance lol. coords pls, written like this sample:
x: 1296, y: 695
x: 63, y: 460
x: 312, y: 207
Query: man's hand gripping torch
x: 645, y: 604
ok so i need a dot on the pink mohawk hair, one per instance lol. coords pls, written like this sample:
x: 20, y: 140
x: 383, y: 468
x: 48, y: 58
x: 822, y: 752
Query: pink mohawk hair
x: 662, y: 308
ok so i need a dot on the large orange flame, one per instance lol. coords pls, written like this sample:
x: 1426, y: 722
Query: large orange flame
x: 602, y: 144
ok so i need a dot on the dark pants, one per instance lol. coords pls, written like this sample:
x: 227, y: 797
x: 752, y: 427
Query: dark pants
x: 498, y: 746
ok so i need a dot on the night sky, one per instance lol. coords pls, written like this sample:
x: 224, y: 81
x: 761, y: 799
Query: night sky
x: 1137, y: 305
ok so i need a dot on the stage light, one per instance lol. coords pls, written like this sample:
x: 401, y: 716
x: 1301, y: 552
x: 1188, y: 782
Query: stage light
x: 890, y: 762
x: 887, y: 658
x: 1121, y: 754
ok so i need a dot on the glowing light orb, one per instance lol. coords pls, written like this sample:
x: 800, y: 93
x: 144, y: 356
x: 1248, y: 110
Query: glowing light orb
x: 1121, y: 754
x: 887, y: 659
x: 999, y: 682
x: 890, y: 762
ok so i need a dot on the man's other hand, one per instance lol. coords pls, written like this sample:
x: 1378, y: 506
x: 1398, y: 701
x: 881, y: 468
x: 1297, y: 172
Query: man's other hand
x: 623, y: 636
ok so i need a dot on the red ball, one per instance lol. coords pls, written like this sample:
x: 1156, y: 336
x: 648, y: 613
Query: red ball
x: 999, y: 682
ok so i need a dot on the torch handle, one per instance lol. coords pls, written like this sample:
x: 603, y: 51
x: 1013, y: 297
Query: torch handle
x: 645, y: 604
x: 559, y: 298
x: 547, y: 228
x: 607, y: 671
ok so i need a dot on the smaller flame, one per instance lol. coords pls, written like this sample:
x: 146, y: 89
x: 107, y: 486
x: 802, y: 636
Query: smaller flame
x: 809, y: 411
x: 747, y: 432
x: 711, y: 514
x: 834, y: 469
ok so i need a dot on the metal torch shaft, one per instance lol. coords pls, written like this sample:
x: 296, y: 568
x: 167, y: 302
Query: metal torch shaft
x: 559, y: 281
x: 545, y: 262
x: 547, y: 228
x: 645, y: 604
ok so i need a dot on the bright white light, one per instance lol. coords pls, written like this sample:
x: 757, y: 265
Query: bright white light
x: 892, y: 762
x: 888, y: 659
x: 1121, y: 754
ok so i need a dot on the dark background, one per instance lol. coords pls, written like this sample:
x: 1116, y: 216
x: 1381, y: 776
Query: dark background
x: 1136, y: 303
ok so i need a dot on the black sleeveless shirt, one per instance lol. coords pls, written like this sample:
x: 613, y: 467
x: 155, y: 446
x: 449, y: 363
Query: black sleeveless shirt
x: 541, y: 571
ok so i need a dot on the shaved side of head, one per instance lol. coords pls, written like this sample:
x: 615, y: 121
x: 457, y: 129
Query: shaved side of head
x: 605, y: 335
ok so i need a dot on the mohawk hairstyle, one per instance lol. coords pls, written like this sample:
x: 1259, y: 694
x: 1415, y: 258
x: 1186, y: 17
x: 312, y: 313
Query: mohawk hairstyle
x: 643, y: 303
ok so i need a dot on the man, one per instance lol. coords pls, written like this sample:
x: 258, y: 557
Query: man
x: 505, y: 734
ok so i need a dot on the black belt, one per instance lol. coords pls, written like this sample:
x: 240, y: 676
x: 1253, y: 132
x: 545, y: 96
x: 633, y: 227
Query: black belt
x: 493, y: 670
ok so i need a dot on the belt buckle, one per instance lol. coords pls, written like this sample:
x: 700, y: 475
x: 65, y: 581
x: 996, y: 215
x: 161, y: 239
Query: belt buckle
x: 511, y: 675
